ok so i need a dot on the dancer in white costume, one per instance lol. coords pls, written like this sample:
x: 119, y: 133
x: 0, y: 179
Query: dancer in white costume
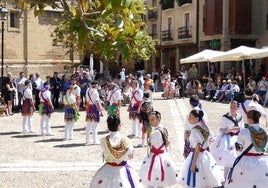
x: 200, y: 170
x: 250, y: 168
x: 157, y: 169
x: 117, y: 149
x: 223, y: 148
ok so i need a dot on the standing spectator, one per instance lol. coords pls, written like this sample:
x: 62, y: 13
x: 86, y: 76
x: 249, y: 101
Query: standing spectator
x: 230, y: 75
x: 157, y: 169
x: 114, y: 99
x: 45, y: 110
x: 200, y: 168
x: 193, y: 72
x: 223, y: 148
x: 39, y: 85
x: 10, y: 90
x: 172, y: 88
x: 93, y: 113
x: 20, y: 87
x: 70, y: 113
x: 134, y: 109
x: 148, y: 86
x: 117, y: 149
x: 27, y: 108
x: 123, y: 74
x: 76, y: 92
x: 212, y: 71
x: 155, y: 76
x: 83, y: 84
x: 250, y: 168
x: 184, y: 74
x: 140, y: 80
x: 165, y: 85
x: 55, y: 86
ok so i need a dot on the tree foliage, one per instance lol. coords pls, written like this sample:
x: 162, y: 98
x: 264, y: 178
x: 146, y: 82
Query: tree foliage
x: 102, y: 27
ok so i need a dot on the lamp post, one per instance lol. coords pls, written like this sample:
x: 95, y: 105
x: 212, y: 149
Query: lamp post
x: 3, y: 12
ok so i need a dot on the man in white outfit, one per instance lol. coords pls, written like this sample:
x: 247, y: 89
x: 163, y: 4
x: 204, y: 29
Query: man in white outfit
x: 93, y: 113
x: 134, y: 109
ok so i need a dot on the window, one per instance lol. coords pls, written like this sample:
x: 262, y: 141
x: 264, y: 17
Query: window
x: 14, y: 19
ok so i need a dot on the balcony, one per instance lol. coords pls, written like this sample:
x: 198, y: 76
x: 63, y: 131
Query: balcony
x: 167, y: 35
x: 153, y: 35
x: 183, y: 2
x: 152, y: 14
x: 185, y: 32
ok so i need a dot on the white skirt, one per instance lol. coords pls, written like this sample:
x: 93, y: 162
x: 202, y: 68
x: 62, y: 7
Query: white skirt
x: 209, y: 172
x: 223, y: 150
x: 161, y: 178
x: 116, y: 176
x: 250, y: 171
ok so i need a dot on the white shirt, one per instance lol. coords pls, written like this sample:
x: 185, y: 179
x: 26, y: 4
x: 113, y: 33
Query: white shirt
x: 46, y: 95
x: 92, y: 95
x: 114, y: 96
x: 27, y: 94
x: 39, y: 83
x: 138, y: 93
x: 77, y: 90
x: 20, y: 84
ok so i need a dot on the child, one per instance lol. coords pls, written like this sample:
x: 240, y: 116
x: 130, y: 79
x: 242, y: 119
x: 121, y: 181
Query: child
x: 70, y: 112
x: 3, y: 107
x: 177, y: 91
x: 28, y: 107
x: 250, y: 167
x: 117, y: 149
x: 45, y: 110
x: 200, y: 168
x: 146, y: 109
x: 157, y: 169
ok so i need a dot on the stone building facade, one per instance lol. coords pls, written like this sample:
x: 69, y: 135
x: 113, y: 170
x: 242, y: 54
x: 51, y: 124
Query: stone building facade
x: 28, y: 44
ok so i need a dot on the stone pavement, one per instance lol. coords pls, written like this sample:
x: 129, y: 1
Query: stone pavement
x: 32, y: 160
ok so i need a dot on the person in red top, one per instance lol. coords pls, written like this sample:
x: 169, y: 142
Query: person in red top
x: 148, y: 86
x: 165, y: 85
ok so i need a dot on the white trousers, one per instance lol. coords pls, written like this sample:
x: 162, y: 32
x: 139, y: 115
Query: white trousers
x: 136, y: 127
x: 45, y: 125
x: 92, y: 126
x: 69, y: 130
x: 24, y: 121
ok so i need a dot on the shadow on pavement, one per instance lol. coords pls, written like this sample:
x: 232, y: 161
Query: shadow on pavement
x: 57, y: 127
x: 103, y: 132
x: 26, y: 136
x: 51, y: 140
x: 69, y: 145
x: 9, y: 133
x: 80, y: 129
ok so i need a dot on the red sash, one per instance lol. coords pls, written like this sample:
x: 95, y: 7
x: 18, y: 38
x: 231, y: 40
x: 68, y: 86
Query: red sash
x: 156, y: 152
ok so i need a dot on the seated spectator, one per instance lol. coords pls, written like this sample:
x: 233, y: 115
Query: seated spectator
x: 225, y: 91
x: 262, y: 87
x: 235, y: 89
x: 210, y: 89
x: 190, y: 88
x: 251, y: 84
x: 219, y: 91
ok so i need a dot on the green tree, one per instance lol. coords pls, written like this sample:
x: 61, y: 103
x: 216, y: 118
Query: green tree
x: 102, y: 27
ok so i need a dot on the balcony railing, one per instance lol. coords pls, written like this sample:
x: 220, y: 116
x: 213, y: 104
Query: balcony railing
x: 182, y: 2
x: 184, y: 32
x: 167, y: 35
x: 153, y: 35
x: 152, y: 14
